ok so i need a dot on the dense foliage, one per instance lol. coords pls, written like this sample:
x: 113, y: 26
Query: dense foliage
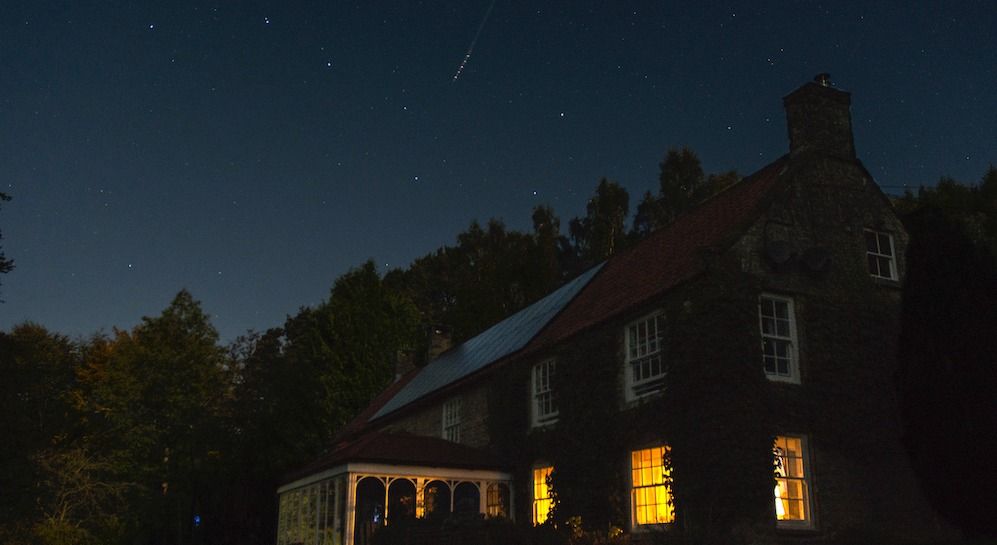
x: 946, y: 379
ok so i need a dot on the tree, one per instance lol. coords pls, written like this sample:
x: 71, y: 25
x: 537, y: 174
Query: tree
x: 682, y: 185
x: 945, y: 373
x: 6, y: 265
x: 601, y: 233
x: 549, y: 250
x: 156, y: 395
x: 35, y: 414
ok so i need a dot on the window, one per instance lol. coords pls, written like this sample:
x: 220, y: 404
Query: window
x: 792, y: 495
x: 879, y: 252
x: 451, y: 420
x: 542, y: 500
x: 650, y: 497
x: 645, y: 367
x: 778, y: 325
x: 497, y: 500
x: 544, y: 401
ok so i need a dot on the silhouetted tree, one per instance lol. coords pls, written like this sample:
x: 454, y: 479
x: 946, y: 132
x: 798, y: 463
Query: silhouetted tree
x: 682, y: 185
x: 6, y: 265
x: 601, y: 233
x: 947, y: 346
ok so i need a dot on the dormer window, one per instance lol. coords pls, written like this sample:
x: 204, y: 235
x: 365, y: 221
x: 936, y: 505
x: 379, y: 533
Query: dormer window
x: 544, y: 400
x: 777, y: 320
x: 880, y: 254
x: 451, y: 420
x: 645, y: 366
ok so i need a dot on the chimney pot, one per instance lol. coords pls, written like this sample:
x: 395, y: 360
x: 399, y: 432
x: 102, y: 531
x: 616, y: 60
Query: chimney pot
x: 823, y: 79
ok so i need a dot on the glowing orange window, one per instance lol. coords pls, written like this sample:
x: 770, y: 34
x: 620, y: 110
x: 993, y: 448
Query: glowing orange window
x: 792, y: 496
x: 650, y: 497
x: 541, y: 494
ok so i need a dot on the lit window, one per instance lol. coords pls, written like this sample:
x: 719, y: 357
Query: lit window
x: 645, y: 367
x: 650, y: 496
x: 879, y: 252
x: 544, y: 401
x: 778, y: 325
x: 792, y: 495
x: 451, y: 420
x: 542, y: 501
x: 497, y: 500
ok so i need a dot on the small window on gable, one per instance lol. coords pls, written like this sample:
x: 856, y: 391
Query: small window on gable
x: 542, y: 500
x: 880, y: 254
x: 792, y: 492
x: 544, y: 399
x: 778, y: 325
x: 451, y: 420
x: 645, y: 366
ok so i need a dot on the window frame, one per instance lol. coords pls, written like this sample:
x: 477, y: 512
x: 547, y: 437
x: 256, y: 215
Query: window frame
x: 452, y: 419
x: 891, y: 258
x: 806, y: 479
x: 654, y: 384
x: 653, y: 486
x: 535, y: 501
x: 536, y: 418
x: 793, y: 339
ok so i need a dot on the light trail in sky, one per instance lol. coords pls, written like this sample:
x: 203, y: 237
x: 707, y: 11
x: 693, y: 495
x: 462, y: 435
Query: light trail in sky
x: 470, y: 49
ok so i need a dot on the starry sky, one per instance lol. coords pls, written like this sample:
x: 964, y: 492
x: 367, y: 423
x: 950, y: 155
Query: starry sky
x: 253, y: 151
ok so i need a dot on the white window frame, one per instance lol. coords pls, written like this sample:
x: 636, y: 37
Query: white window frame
x: 805, y: 479
x: 641, y: 351
x: 652, y: 487
x: 792, y: 339
x: 452, y: 410
x: 543, y: 400
x: 878, y: 254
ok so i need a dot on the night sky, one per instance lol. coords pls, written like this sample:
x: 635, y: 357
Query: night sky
x: 252, y: 152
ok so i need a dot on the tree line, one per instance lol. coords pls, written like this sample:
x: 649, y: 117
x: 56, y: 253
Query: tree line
x: 164, y: 435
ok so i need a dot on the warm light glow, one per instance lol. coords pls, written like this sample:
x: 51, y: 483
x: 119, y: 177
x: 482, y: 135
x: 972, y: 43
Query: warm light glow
x: 651, y: 499
x: 541, y: 494
x: 791, y: 497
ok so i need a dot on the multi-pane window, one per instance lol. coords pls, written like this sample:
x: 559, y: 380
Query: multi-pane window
x: 650, y: 496
x: 644, y: 358
x: 497, y: 500
x: 879, y: 252
x: 544, y: 400
x: 778, y: 325
x: 542, y: 500
x: 792, y: 495
x: 451, y: 420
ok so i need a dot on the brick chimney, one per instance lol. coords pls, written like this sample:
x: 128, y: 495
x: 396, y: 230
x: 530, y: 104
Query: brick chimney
x: 820, y: 120
x: 439, y: 341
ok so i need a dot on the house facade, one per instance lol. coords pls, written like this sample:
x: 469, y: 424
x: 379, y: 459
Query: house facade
x: 734, y: 369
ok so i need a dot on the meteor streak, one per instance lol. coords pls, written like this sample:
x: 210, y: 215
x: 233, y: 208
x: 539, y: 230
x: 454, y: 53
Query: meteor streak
x: 470, y: 49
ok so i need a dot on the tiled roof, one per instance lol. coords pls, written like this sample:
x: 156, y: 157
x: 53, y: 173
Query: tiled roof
x: 384, y: 447
x: 497, y: 342
x: 666, y: 258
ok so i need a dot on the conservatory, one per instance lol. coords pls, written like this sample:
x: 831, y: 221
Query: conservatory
x: 346, y: 503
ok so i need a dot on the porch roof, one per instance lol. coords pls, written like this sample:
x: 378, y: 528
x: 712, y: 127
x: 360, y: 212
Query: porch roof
x: 399, y: 448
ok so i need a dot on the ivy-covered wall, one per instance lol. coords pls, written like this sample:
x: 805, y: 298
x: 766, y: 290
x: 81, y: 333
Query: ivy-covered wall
x: 718, y: 412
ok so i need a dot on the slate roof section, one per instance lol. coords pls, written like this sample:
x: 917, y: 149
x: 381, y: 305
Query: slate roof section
x: 501, y: 340
x: 666, y: 258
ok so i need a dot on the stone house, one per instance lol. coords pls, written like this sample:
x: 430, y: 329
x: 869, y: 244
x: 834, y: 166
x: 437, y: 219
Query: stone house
x: 762, y: 323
